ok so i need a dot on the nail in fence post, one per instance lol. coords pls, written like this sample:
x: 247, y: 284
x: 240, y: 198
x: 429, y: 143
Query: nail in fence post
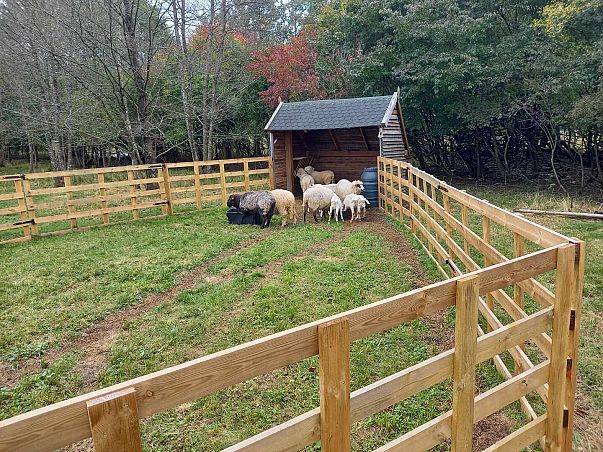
x: 465, y: 331
x: 114, y: 422
x: 565, y: 292
x: 334, y: 376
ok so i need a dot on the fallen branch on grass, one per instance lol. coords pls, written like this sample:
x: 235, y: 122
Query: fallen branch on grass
x: 587, y: 215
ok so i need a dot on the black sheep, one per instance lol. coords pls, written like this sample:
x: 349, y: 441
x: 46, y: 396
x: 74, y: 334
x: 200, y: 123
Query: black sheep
x: 255, y: 202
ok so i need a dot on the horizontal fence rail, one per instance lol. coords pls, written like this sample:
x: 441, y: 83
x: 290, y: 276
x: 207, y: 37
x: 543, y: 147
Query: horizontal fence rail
x: 56, y: 201
x: 111, y: 415
x: 463, y: 234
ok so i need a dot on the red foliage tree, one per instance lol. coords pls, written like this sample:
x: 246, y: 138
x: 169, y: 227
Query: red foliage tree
x: 290, y: 70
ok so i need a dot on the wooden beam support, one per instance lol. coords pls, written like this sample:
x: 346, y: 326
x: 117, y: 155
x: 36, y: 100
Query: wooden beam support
x: 366, y: 144
x: 334, y: 140
x: 114, y: 422
x: 467, y: 298
x: 565, y: 293
x: 334, y: 375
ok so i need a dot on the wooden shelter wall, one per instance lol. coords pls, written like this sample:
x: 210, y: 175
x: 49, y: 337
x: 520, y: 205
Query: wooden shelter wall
x: 392, y: 145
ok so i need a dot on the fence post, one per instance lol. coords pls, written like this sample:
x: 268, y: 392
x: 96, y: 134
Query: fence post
x: 465, y: 221
x: 334, y: 376
x: 133, y: 197
x: 565, y: 293
x: 102, y: 196
x: 519, y: 250
x: 465, y: 347
x: 168, y: 189
x: 29, y: 202
x: 23, y: 210
x: 574, y: 341
x: 197, y: 184
x: 379, y: 184
x: 69, y: 196
x: 223, y: 182
x: 114, y: 422
x: 271, y: 173
x: 246, y: 174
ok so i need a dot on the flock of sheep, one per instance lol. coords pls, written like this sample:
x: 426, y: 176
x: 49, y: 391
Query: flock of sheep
x: 321, y: 196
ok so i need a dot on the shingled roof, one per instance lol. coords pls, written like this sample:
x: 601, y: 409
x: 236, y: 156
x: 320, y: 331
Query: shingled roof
x: 330, y: 113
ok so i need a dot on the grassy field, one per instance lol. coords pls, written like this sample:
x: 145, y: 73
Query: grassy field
x: 86, y: 310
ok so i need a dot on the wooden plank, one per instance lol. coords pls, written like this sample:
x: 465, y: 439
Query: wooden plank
x: 114, y: 422
x: 438, y: 429
x: 303, y: 430
x: 519, y: 249
x: 168, y: 190
x: 69, y: 195
x: 198, y: 198
x: 63, y: 423
x: 271, y: 174
x: 467, y: 294
x: 574, y: 340
x: 23, y: 216
x: 102, y: 191
x: 133, y: 197
x: 334, y: 376
x: 487, y: 236
x: 520, y: 438
x: 535, y: 289
x: 223, y: 183
x: 534, y: 232
x: 246, y: 175
x: 565, y: 291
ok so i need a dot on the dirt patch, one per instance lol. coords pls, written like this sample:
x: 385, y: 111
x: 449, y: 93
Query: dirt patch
x: 96, y: 341
x: 487, y: 431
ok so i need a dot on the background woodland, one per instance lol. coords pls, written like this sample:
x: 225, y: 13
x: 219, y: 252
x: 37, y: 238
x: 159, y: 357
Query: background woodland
x: 508, y: 90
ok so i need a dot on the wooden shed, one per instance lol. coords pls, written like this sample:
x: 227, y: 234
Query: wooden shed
x: 342, y: 135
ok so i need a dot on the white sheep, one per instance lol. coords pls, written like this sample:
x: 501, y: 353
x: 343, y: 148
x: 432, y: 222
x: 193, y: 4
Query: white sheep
x: 285, y: 205
x: 317, y: 199
x: 356, y: 204
x: 344, y: 187
x: 336, y: 209
x: 320, y: 177
x: 305, y: 180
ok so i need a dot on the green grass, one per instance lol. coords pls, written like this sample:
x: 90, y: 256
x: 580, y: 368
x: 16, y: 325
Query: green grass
x: 60, y: 286
x: 55, y: 288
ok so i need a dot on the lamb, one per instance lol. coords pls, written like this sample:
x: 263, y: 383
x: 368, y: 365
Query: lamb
x: 305, y: 180
x: 285, y: 205
x: 321, y: 177
x: 344, y: 187
x: 262, y: 203
x: 317, y: 199
x: 356, y: 204
x: 336, y: 209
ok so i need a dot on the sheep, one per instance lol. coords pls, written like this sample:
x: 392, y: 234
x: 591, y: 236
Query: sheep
x: 336, y: 209
x: 321, y: 177
x: 257, y: 202
x: 285, y: 205
x: 305, y: 180
x: 356, y: 204
x: 317, y: 199
x: 344, y: 187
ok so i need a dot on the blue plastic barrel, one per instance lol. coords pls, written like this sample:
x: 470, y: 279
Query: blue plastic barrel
x: 369, y: 179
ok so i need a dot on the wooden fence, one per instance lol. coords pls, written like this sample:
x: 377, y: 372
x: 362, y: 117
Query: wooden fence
x: 111, y: 415
x: 50, y: 202
x: 465, y: 234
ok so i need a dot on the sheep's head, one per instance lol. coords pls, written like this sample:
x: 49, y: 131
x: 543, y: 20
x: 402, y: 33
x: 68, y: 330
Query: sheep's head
x: 358, y: 186
x: 309, y: 169
x: 234, y: 200
x: 300, y: 172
